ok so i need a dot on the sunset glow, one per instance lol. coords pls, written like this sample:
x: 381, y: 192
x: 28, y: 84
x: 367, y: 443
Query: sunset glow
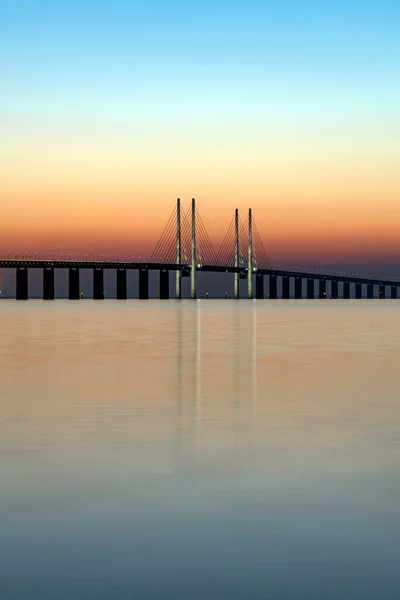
x: 109, y: 111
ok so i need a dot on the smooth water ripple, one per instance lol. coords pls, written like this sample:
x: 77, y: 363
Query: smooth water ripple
x: 199, y: 450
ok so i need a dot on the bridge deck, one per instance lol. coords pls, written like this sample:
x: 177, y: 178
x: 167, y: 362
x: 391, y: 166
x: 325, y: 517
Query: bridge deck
x: 73, y: 264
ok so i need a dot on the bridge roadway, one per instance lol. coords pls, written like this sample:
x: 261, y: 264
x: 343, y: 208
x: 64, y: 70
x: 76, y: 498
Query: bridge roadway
x: 74, y: 266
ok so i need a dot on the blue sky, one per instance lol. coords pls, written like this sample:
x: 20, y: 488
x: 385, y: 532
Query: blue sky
x: 60, y: 50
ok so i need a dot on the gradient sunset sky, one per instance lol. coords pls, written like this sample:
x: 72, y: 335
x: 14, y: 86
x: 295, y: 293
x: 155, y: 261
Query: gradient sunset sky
x: 111, y: 109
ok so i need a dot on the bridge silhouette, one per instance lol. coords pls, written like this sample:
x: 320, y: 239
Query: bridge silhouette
x: 186, y: 249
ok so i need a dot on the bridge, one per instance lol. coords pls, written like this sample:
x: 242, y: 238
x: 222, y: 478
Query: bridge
x: 186, y: 249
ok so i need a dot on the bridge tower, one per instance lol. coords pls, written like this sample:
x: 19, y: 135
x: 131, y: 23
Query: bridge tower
x: 250, y: 260
x: 236, y: 263
x: 194, y: 264
x: 178, y: 289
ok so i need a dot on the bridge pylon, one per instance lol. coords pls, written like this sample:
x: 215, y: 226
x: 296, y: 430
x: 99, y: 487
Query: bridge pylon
x: 178, y: 286
x: 236, y: 262
x: 250, y: 259
x: 193, y: 261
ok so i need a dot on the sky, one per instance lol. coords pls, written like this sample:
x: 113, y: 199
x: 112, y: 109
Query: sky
x: 111, y: 109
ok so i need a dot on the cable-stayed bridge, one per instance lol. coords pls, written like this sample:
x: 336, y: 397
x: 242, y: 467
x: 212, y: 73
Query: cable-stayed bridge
x: 186, y: 249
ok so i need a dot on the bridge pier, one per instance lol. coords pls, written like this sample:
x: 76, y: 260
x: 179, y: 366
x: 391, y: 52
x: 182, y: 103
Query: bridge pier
x: 322, y: 289
x: 346, y: 290
x: 73, y: 288
x: 143, y: 284
x: 358, y: 290
x: 370, y: 291
x: 164, y: 285
x: 298, y: 288
x: 382, y: 291
x: 259, y: 286
x: 393, y: 292
x: 236, y: 286
x: 121, y: 284
x: 48, y: 284
x: 285, y: 287
x: 22, y: 284
x: 310, y: 288
x: 98, y: 284
x: 273, y: 287
x: 334, y: 289
x: 178, y: 284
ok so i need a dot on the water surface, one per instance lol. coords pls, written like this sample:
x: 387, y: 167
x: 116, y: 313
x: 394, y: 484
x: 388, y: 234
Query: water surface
x: 199, y: 450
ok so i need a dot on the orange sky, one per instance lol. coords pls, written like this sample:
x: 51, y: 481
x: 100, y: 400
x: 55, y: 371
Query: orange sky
x: 315, y: 214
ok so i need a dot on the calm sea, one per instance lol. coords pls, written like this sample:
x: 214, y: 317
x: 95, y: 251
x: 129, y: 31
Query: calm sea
x: 203, y: 450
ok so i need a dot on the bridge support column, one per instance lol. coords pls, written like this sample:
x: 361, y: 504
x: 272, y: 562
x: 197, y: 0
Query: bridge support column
x: 178, y: 275
x: 73, y: 288
x: 22, y: 284
x: 236, y: 286
x: 98, y: 284
x: 164, y: 285
x: 322, y: 289
x: 382, y: 291
x: 236, y: 262
x: 121, y: 284
x: 259, y: 286
x: 298, y: 288
x: 285, y: 287
x: 334, y: 289
x: 346, y: 290
x: 310, y: 288
x: 393, y: 292
x: 48, y: 284
x: 370, y: 291
x: 250, y: 259
x: 358, y: 290
x: 178, y: 284
x: 273, y: 287
x: 194, y: 261
x: 143, y: 284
